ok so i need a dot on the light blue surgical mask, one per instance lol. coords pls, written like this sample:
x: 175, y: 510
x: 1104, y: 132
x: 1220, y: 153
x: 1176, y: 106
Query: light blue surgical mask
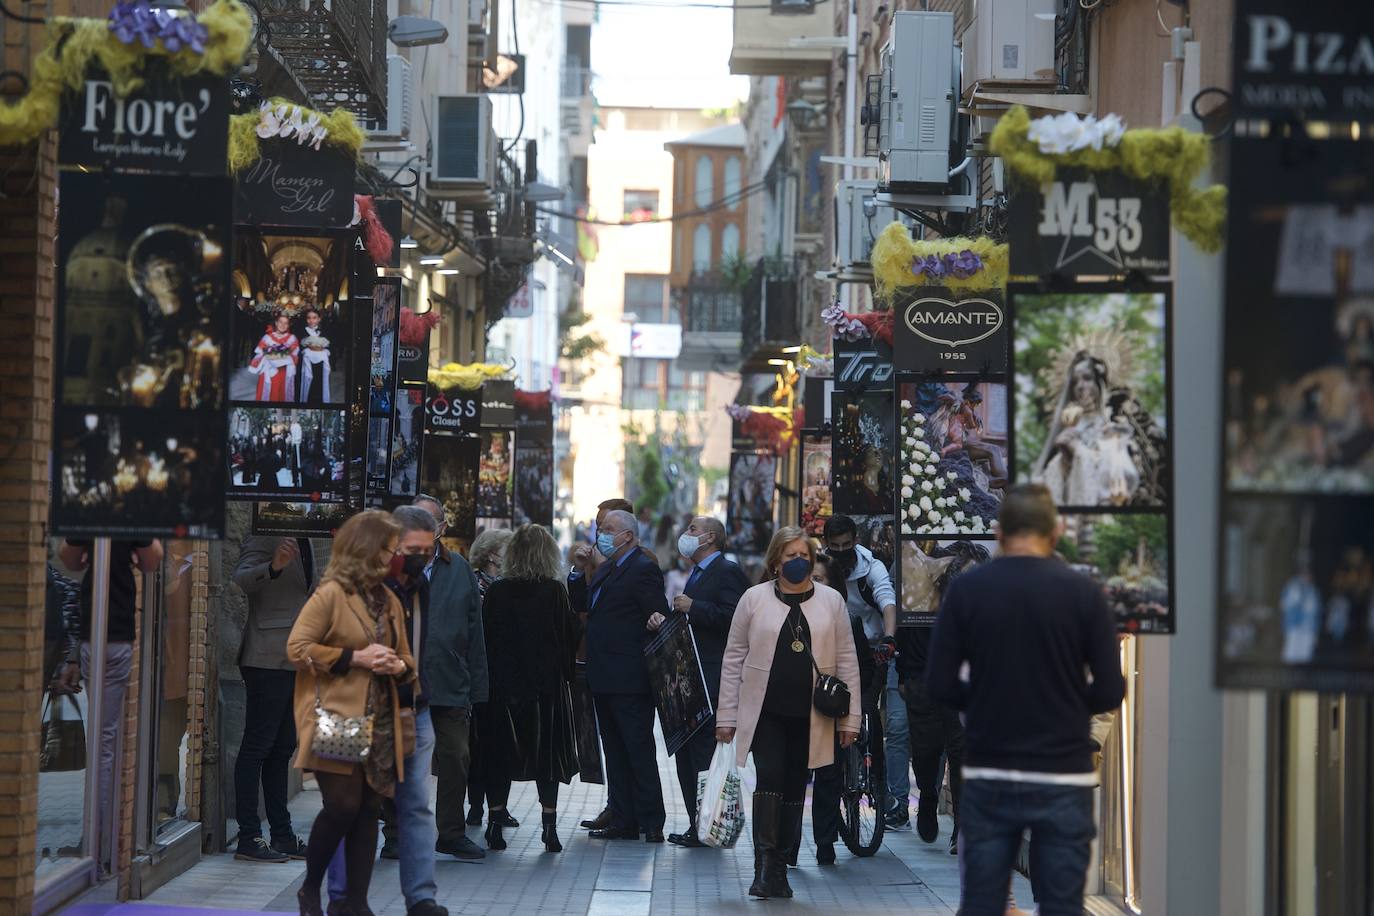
x: 605, y: 543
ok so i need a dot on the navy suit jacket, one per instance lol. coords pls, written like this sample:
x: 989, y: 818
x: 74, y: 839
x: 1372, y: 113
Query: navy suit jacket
x: 617, y: 618
x: 714, y: 595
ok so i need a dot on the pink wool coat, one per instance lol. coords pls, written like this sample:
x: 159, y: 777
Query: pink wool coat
x: 749, y: 657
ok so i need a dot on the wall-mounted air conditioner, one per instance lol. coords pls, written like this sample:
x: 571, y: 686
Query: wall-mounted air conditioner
x: 1011, y: 41
x: 400, y: 97
x: 917, y: 110
x: 858, y: 222
x: 464, y: 146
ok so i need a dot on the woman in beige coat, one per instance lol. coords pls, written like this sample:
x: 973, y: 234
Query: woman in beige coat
x: 350, y: 649
x: 766, y: 683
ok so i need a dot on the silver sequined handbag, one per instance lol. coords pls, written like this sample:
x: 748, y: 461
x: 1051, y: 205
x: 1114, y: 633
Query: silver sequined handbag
x: 342, y: 738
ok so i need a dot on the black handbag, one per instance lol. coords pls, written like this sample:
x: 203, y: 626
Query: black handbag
x: 64, y: 740
x: 831, y: 696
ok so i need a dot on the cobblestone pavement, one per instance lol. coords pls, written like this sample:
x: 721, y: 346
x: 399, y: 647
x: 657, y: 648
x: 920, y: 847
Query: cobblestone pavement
x: 600, y: 878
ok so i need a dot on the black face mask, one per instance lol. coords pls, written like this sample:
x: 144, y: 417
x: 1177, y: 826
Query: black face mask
x: 846, y: 558
x: 413, y: 565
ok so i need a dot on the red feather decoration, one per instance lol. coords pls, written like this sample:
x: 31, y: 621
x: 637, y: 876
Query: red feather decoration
x: 376, y: 239
x: 879, y: 324
x: 414, y: 327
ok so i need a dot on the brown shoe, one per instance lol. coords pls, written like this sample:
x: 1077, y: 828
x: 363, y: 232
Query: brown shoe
x: 600, y: 822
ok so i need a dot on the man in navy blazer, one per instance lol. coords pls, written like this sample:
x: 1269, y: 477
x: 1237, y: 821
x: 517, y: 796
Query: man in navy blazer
x: 622, y: 595
x: 714, y: 587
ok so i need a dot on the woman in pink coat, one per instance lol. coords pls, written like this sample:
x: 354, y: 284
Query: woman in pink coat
x: 766, y: 683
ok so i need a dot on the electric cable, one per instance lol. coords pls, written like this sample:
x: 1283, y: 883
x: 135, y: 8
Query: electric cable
x: 728, y: 201
x: 681, y: 4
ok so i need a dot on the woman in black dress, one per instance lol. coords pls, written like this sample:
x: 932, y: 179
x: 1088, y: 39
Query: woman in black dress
x: 531, y: 635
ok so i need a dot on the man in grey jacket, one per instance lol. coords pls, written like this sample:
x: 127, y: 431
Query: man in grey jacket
x: 455, y: 666
x: 277, y: 575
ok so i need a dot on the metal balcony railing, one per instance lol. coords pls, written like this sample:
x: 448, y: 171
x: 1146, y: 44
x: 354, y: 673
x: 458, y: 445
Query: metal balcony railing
x: 770, y: 309
x: 336, y: 49
x: 711, y: 304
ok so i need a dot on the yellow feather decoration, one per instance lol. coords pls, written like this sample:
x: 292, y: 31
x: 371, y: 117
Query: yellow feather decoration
x: 245, y: 145
x: 895, y: 249
x: 467, y: 376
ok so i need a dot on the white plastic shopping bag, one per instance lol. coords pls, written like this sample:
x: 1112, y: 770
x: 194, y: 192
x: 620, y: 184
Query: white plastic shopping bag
x: 720, y: 800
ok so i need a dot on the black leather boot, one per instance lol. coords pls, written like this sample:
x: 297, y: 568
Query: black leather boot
x: 549, y: 836
x: 767, y: 810
x: 789, y: 846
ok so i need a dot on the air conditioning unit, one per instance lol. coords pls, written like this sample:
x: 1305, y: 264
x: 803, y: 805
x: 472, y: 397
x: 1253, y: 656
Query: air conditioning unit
x: 1011, y: 41
x: 917, y: 110
x: 464, y: 145
x: 400, y: 96
x: 858, y: 222
x: 477, y: 15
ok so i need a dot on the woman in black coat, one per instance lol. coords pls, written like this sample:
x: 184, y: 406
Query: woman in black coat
x: 531, y: 634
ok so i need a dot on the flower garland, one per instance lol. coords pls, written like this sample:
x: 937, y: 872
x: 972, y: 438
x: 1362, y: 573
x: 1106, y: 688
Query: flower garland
x: 858, y: 325
x: 84, y: 42
x: 1170, y: 155
x: 774, y: 428
x: 931, y: 502
x: 811, y: 361
x: 955, y: 263
x: 281, y: 118
x: 468, y: 377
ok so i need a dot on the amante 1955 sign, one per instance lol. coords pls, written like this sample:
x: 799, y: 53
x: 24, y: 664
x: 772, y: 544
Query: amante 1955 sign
x: 1089, y: 223
x: 941, y: 330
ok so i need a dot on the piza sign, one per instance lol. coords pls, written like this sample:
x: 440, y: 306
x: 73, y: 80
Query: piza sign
x: 939, y: 330
x: 1089, y: 223
x: 1314, y: 58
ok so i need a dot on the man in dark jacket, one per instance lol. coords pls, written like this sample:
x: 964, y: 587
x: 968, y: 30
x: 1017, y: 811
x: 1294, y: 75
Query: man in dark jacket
x: 713, y: 589
x: 1041, y: 650
x: 455, y: 662
x: 622, y: 594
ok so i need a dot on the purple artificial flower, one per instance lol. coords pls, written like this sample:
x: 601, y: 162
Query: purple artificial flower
x: 845, y: 328
x: 132, y: 22
x: 184, y: 32
x: 738, y: 412
x: 965, y: 264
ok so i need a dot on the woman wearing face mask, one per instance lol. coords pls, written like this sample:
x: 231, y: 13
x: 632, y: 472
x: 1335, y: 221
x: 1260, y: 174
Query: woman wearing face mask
x: 350, y: 649
x: 766, y: 686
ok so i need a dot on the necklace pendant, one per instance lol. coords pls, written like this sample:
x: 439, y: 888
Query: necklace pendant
x: 798, y: 646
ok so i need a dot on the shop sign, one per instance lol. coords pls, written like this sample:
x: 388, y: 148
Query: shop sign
x: 454, y: 410
x: 858, y: 365
x: 651, y: 341
x: 498, y: 404
x: 1089, y: 223
x: 940, y: 331
x: 1314, y: 59
x: 294, y: 185
x: 167, y: 125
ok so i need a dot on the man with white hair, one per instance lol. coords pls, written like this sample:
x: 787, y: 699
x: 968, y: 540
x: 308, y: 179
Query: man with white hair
x: 623, y: 594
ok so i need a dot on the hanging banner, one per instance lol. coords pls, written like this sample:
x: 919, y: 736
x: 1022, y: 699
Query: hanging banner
x: 1296, y: 578
x: 534, y: 417
x: 177, y: 125
x: 295, y: 185
x: 386, y: 298
x: 413, y: 353
x: 943, y: 330
x: 816, y: 391
x: 449, y: 474
x: 453, y: 411
x: 496, y: 475
x: 1299, y: 61
x: 1089, y: 223
x: 677, y: 682
x: 749, y: 516
x: 534, y: 473
x: 498, y: 404
x: 926, y: 569
x: 864, y: 449
x: 816, y: 481
x: 139, y: 418
x: 407, y: 441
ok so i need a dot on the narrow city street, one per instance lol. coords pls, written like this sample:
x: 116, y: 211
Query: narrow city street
x: 592, y: 877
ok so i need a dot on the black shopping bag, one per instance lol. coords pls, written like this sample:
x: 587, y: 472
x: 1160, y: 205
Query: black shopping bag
x: 588, y: 739
x: 64, y: 740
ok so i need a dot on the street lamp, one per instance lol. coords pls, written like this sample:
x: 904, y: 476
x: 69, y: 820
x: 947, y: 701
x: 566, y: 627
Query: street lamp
x: 804, y: 115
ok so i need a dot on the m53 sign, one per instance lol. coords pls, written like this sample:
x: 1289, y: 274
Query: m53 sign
x: 1089, y: 223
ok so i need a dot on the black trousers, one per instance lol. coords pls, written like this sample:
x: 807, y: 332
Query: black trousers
x: 452, y: 736
x: 627, y: 738
x: 782, y: 750
x: 269, y: 740
x: 935, y: 732
x: 692, y: 759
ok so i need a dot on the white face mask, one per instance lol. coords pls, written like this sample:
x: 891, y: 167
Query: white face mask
x: 688, y: 545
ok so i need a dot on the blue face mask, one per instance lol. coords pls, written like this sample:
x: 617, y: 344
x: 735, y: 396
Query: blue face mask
x: 605, y: 544
x: 797, y: 570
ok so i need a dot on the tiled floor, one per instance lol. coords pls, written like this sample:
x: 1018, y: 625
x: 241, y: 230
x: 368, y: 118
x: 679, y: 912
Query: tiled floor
x: 596, y: 878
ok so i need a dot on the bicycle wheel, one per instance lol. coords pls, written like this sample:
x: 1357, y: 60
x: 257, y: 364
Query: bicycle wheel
x: 862, y: 800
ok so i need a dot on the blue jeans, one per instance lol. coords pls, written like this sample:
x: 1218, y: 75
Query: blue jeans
x: 992, y: 815
x: 897, y: 747
x: 416, y: 834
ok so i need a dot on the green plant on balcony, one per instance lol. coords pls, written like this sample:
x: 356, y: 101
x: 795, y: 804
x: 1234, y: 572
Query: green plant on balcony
x: 736, y: 272
x: 574, y: 345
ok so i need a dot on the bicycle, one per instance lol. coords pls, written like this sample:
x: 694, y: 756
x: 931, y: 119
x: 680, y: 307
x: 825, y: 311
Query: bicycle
x: 863, y: 795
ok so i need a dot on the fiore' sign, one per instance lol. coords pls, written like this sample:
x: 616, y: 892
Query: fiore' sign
x: 943, y: 331
x: 1315, y: 58
x: 168, y: 125
x: 294, y: 185
x: 454, y: 410
x: 1089, y: 223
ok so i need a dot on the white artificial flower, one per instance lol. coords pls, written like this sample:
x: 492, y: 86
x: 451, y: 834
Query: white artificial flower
x: 918, y: 418
x: 906, y: 529
x: 959, y: 516
x: 906, y: 405
x: 939, y: 502
x: 965, y: 495
x: 934, y: 517
x: 911, y: 511
x: 924, y: 529
x: 908, y: 480
x: 952, y: 476
x: 978, y: 523
x: 1066, y: 132
x: 910, y: 441
x: 925, y: 504
x: 927, y: 486
x: 906, y: 492
x: 931, y: 470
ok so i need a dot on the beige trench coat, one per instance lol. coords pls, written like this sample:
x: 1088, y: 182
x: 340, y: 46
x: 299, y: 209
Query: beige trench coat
x: 749, y: 657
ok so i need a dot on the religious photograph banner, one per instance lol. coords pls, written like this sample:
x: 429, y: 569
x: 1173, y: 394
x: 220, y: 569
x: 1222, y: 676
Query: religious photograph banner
x: 449, y: 474
x: 142, y: 278
x: 749, y: 516
x: 534, y: 417
x: 1129, y: 554
x: 941, y: 330
x: 1089, y: 223
x: 1092, y: 397
x: 496, y: 475
x: 533, y: 483
x: 299, y: 519
x: 298, y: 453
x: 677, y: 682
x: 816, y: 504
x: 953, y: 465
x: 879, y: 534
x: 928, y: 566
x: 292, y: 339
x: 386, y: 305
x: 407, y: 440
x: 864, y: 448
